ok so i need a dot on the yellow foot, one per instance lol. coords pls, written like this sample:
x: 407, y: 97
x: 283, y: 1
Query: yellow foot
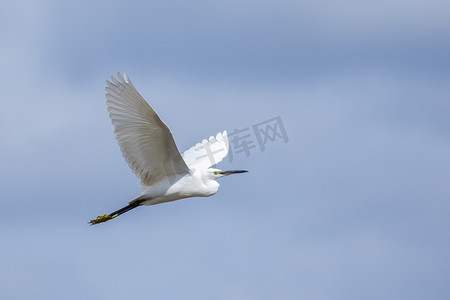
x: 101, y: 219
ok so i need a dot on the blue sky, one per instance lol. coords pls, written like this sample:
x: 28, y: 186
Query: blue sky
x: 354, y: 206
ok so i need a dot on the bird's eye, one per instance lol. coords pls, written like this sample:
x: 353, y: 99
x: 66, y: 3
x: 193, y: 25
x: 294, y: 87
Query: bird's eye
x: 216, y: 172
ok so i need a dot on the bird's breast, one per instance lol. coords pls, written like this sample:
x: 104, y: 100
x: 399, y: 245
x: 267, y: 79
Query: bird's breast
x: 179, y: 187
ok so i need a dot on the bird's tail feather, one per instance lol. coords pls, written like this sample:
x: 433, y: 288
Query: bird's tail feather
x: 103, y: 218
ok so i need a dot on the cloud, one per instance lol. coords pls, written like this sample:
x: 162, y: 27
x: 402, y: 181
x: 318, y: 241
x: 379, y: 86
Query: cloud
x: 352, y: 198
x: 245, y: 41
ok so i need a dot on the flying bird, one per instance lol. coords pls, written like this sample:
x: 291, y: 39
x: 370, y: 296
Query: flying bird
x: 149, y: 149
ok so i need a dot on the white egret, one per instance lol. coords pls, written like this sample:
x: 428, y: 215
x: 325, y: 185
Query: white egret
x: 150, y: 151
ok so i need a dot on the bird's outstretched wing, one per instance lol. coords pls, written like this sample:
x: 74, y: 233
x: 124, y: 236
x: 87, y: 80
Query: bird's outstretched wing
x: 207, y: 153
x: 145, y: 141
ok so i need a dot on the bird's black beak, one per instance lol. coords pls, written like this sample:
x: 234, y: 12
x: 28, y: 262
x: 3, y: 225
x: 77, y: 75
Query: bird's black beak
x: 225, y: 173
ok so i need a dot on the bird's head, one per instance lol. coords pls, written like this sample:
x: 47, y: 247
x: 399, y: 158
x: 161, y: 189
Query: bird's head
x: 216, y: 173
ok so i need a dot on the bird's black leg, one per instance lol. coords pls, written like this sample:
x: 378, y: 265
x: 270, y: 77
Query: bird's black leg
x: 103, y: 218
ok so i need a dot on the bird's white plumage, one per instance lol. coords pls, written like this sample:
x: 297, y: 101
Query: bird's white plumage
x: 148, y: 147
x: 207, y: 153
x: 145, y: 140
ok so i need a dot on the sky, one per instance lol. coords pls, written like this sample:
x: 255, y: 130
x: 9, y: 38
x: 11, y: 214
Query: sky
x: 353, y: 203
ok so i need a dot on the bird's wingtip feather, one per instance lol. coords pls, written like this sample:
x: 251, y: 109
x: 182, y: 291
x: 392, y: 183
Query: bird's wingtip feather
x: 119, y: 76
